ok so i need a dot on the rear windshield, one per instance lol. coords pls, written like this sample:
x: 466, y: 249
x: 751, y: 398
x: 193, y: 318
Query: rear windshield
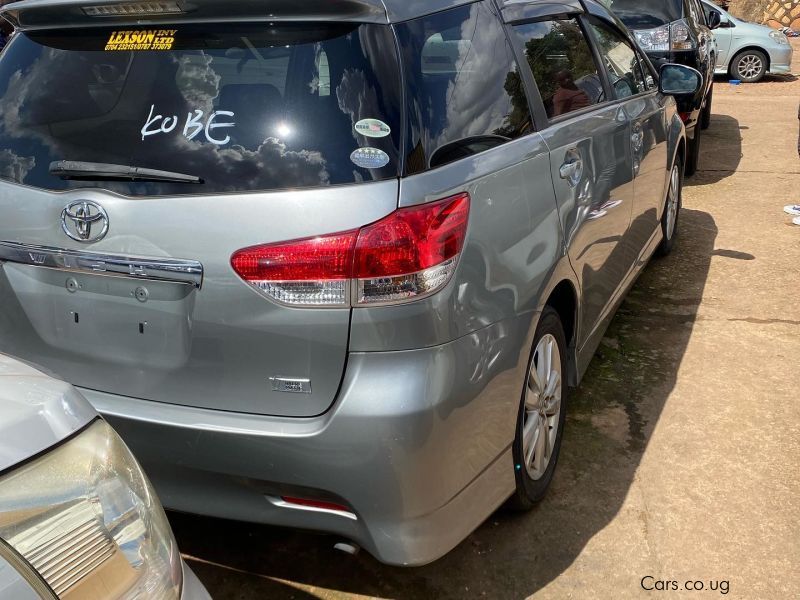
x: 646, y: 14
x: 245, y: 108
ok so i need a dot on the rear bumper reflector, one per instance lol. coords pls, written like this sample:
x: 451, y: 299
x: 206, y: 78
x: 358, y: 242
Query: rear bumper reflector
x: 319, y: 506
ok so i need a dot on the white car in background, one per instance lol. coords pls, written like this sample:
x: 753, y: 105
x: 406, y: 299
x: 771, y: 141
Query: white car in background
x: 747, y: 51
x: 78, y: 518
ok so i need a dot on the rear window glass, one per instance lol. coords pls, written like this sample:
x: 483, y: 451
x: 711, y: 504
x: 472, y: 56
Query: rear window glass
x: 245, y: 108
x: 464, y: 91
x: 646, y: 14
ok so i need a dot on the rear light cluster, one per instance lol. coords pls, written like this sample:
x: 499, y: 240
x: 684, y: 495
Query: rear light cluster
x: 408, y: 255
x: 671, y: 37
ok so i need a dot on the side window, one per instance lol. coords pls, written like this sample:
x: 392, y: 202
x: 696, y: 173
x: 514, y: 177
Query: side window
x: 620, y: 61
x: 562, y: 64
x: 464, y: 92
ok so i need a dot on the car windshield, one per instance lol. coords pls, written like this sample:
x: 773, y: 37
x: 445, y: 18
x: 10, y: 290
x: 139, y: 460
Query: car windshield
x: 646, y: 14
x: 242, y: 108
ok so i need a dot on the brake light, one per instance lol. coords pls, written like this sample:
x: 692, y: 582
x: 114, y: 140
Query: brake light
x: 309, y: 272
x: 672, y: 36
x: 685, y: 116
x: 653, y: 40
x: 133, y: 9
x: 680, y: 36
x: 411, y: 253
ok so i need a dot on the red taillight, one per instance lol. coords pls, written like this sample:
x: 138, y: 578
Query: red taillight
x: 685, y: 116
x: 328, y: 258
x: 408, y: 254
x: 412, y: 239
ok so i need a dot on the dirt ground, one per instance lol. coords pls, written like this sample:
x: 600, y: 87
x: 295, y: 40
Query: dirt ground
x: 682, y: 447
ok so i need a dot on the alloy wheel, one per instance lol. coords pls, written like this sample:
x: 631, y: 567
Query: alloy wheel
x: 750, y: 66
x: 542, y: 407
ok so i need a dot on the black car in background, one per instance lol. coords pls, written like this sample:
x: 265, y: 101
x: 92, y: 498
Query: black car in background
x: 676, y: 31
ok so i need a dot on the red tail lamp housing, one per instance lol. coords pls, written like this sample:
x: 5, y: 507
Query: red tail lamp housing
x: 409, y: 254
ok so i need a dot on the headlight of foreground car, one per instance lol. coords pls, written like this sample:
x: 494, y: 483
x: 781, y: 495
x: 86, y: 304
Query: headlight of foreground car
x: 86, y: 518
x: 779, y: 37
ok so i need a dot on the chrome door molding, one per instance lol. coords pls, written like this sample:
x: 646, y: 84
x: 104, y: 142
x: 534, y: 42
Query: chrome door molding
x: 189, y: 272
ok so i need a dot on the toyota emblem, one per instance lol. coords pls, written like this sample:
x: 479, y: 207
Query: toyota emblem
x: 84, y: 221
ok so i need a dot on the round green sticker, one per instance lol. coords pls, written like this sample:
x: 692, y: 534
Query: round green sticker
x: 373, y: 128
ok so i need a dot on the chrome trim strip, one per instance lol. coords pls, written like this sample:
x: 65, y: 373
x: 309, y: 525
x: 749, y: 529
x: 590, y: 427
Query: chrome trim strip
x: 188, y: 272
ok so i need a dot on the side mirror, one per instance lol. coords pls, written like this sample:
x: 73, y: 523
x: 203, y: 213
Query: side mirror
x: 679, y: 80
x: 714, y: 19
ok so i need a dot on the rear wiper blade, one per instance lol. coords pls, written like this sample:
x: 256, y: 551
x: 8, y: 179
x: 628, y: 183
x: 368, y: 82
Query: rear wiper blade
x: 70, y: 169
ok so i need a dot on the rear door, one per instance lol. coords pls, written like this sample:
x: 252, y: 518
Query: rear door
x: 638, y: 93
x: 590, y: 156
x: 126, y: 286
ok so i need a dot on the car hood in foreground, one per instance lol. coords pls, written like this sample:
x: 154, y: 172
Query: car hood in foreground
x: 36, y: 411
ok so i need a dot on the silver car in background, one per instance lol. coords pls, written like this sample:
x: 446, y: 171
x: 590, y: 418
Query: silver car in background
x: 748, y: 51
x: 331, y: 265
x: 78, y: 518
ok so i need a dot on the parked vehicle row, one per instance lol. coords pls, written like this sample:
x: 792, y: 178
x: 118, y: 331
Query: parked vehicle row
x: 676, y: 31
x: 305, y: 297
x: 334, y: 267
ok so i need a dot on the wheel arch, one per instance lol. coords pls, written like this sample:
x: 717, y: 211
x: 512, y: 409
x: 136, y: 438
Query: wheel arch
x: 563, y: 297
x: 680, y: 150
x: 748, y: 48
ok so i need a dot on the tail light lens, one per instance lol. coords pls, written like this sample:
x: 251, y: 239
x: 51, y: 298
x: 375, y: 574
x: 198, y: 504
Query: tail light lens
x: 681, y: 37
x: 673, y: 36
x: 310, y: 272
x: 653, y: 40
x: 410, y: 254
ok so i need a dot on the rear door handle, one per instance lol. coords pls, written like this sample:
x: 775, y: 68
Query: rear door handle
x: 189, y: 272
x: 572, y: 169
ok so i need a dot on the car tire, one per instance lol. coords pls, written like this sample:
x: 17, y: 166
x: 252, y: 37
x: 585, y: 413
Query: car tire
x: 541, y: 416
x: 693, y: 152
x: 672, y: 209
x: 749, y: 66
x: 705, y: 116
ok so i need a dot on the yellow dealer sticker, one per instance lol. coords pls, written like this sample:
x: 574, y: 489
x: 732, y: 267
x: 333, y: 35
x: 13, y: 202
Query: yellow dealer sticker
x: 149, y: 39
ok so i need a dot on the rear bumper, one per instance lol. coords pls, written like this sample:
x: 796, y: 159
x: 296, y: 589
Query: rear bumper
x: 417, y: 445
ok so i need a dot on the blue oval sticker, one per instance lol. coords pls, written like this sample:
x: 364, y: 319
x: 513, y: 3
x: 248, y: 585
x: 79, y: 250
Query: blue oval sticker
x: 370, y: 158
